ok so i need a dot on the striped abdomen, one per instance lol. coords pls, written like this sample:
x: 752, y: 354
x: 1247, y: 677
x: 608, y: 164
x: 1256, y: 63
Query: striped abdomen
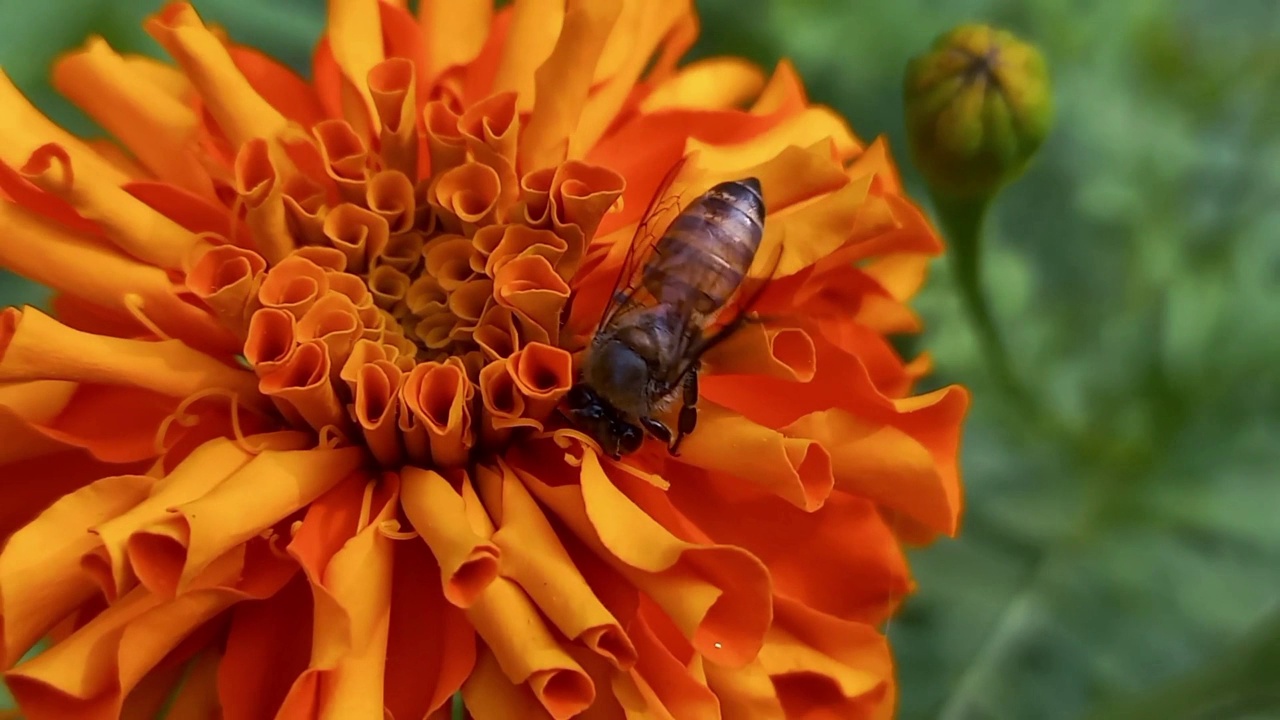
x: 705, y: 254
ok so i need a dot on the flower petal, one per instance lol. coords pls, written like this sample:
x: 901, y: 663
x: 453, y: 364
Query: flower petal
x: 168, y: 554
x: 718, y: 83
x: 238, y: 109
x: 156, y: 126
x: 786, y: 353
x: 23, y: 129
x: 27, y: 404
x: 433, y: 648
x: 455, y: 30
x: 533, y: 556
x: 34, y: 346
x: 488, y: 692
x: 268, y: 646
x: 355, y: 38
x: 468, y: 563
x: 40, y: 581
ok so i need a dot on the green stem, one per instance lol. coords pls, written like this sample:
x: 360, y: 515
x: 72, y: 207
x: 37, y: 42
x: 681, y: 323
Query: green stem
x: 963, y: 221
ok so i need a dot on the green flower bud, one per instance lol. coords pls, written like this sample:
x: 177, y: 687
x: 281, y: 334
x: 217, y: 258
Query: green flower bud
x: 978, y: 105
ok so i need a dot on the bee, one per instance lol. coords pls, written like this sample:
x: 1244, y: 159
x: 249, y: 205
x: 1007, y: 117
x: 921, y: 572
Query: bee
x: 649, y: 344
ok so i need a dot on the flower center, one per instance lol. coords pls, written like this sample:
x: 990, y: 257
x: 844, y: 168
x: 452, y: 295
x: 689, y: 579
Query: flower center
x: 418, y: 313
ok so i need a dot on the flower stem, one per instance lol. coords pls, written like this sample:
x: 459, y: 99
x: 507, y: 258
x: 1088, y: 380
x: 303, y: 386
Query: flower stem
x: 962, y: 221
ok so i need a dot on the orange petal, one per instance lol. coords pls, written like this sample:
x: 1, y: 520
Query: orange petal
x: 377, y: 386
x: 43, y: 251
x: 745, y: 692
x: 360, y: 234
x: 532, y: 288
x: 156, y: 126
x: 466, y: 197
x: 455, y: 30
x: 795, y: 469
x: 268, y: 646
x: 139, y: 423
x: 645, y: 24
x: 433, y: 648
x: 303, y: 388
x: 490, y: 129
x: 271, y: 340
x: 25, y: 404
x: 391, y: 197
x: 259, y: 185
x: 439, y: 395
x: 670, y: 679
x: 34, y: 346
x: 167, y: 555
x: 24, y: 128
x: 345, y: 157
x: 393, y: 89
x: 197, y: 698
x: 88, y: 674
x: 357, y: 579
x: 446, y: 148
x: 39, y: 579
x: 468, y: 563
x: 543, y: 374
x: 864, y: 572
x: 718, y: 595
x: 278, y: 84
x: 105, y: 561
x: 504, y: 405
x: 815, y: 658
x: 786, y: 353
x: 238, y: 109
x: 227, y: 279
x: 530, y: 38
x: 533, y: 557
x: 527, y: 651
x: 514, y: 241
x: 355, y: 38
x: 713, y: 83
x: 30, y: 486
x: 334, y: 322
x: 489, y: 693
x: 294, y: 284
x: 563, y: 81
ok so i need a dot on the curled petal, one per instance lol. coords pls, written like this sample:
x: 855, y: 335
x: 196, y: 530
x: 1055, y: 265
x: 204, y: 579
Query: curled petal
x: 446, y: 147
x: 786, y: 353
x: 455, y: 31
x: 377, y: 385
x: 490, y: 129
x: 360, y: 234
x: 227, y: 278
x: 489, y: 692
x: 331, y: 258
x: 391, y: 197
x: 388, y: 287
x: 238, y: 109
x: 303, y: 389
x: 105, y: 560
x: 294, y: 285
x: 543, y: 374
x: 746, y: 692
x: 354, y: 33
x: 272, y: 340
x: 532, y: 288
x: 169, y: 554
x: 393, y: 88
x: 46, y: 252
x: 533, y: 556
x: 260, y: 186
x: 129, y: 223
x: 448, y: 260
x: 439, y: 395
x: 38, y: 566
x: 795, y: 469
x: 466, y: 197
x: 334, y: 322
x: 503, y: 403
x: 346, y: 159
x: 403, y: 252
x: 470, y: 300
x: 529, y: 41
x: 468, y: 563
x: 24, y: 405
x: 518, y: 241
x: 34, y: 346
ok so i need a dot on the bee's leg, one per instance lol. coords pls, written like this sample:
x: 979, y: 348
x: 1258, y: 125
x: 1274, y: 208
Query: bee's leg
x: 657, y: 428
x: 689, y: 411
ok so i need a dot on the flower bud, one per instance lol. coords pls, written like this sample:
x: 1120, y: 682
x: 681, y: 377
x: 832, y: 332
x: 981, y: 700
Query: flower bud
x: 978, y: 105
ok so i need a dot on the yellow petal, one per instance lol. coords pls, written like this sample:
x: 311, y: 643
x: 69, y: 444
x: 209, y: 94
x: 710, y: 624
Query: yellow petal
x: 23, y: 129
x: 355, y: 37
x: 455, y: 30
x: 468, y: 563
x: 40, y: 582
x: 713, y: 83
x: 531, y: 36
x: 34, y: 346
x: 155, y: 124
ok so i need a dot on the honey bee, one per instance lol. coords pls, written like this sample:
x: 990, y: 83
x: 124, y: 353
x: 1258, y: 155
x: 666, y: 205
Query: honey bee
x: 649, y: 344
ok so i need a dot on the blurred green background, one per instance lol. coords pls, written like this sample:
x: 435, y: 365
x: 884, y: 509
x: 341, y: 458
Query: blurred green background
x: 1123, y: 561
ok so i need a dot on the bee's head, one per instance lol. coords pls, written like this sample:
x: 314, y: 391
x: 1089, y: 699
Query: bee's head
x: 593, y: 415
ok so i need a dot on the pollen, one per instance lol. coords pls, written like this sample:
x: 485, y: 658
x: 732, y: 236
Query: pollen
x: 416, y: 305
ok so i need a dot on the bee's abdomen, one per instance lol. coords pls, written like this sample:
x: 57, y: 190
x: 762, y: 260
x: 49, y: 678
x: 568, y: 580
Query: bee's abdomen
x: 706, y: 252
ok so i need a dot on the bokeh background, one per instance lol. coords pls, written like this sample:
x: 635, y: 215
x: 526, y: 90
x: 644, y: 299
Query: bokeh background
x: 1123, y: 560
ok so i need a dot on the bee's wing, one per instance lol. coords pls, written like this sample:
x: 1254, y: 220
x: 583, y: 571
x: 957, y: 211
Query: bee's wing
x: 695, y: 343
x: 628, y: 290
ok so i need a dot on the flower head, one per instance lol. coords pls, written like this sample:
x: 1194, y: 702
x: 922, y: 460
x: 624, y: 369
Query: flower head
x: 294, y: 422
x: 978, y: 107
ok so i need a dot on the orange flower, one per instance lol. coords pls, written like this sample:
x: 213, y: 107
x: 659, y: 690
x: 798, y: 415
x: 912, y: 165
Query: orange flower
x: 295, y: 424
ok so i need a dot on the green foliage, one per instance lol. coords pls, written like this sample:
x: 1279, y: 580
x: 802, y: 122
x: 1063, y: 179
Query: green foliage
x: 1120, y: 555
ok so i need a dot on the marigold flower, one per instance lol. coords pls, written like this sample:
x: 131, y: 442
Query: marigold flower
x: 290, y: 441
